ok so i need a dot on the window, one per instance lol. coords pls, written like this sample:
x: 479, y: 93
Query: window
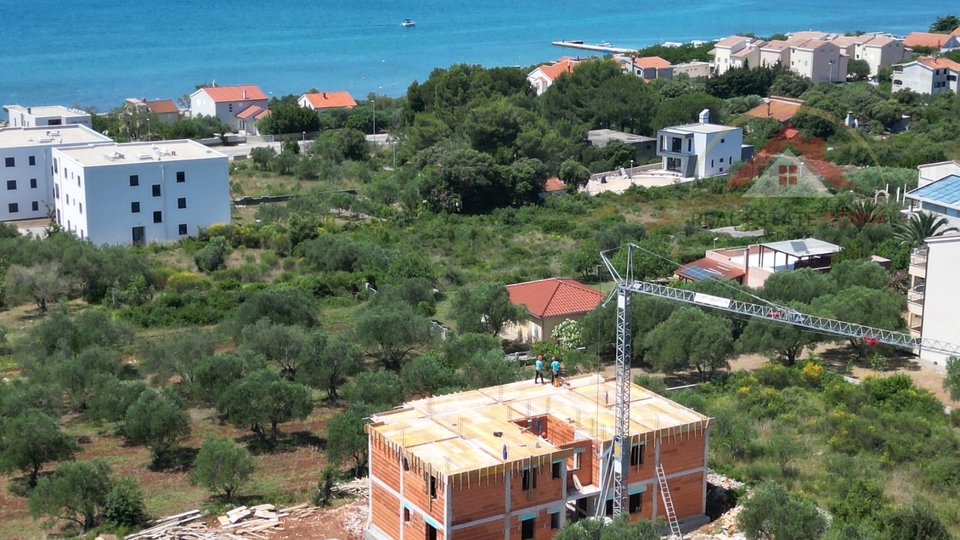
x: 81, y: 208
x: 182, y: 231
x: 433, y: 487
x: 135, y: 208
x: 555, y: 521
x: 529, y: 479
x: 33, y: 183
x: 11, y: 184
x: 722, y: 141
x: 636, y: 503
x: 139, y: 237
x: 555, y: 470
x: 156, y: 190
x: 13, y: 208
x: 78, y: 180
x: 10, y: 162
x: 711, y: 163
x: 528, y: 528
x: 229, y: 107
x: 721, y: 160
x: 134, y: 180
x: 636, y: 454
x: 35, y: 206
x: 609, y: 508
x: 158, y: 217
x: 406, y: 514
x: 575, y: 465
x: 406, y: 464
x: 181, y: 177
x: 56, y: 165
x: 32, y: 160
x: 182, y: 202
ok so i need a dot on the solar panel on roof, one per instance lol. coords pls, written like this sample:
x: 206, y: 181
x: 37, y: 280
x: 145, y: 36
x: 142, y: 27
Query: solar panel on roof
x: 695, y: 272
x: 945, y: 190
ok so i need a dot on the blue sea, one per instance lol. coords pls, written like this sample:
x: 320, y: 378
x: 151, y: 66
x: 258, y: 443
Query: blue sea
x: 98, y: 52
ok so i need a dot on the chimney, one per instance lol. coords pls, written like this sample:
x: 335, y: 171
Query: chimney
x: 244, y: 93
x: 705, y: 116
x: 324, y: 95
x: 29, y: 110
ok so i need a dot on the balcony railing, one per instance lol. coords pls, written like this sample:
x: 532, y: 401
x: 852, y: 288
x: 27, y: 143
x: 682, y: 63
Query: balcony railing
x: 915, y: 297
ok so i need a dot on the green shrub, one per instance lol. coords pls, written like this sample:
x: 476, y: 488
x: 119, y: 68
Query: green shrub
x: 654, y: 383
x: 124, y: 505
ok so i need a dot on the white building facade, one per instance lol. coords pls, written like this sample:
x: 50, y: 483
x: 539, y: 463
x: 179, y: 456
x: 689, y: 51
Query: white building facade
x: 820, y: 61
x: 700, y: 150
x: 138, y: 193
x: 927, y: 75
x: 934, y: 293
x: 54, y: 115
x: 235, y: 106
x: 27, y: 167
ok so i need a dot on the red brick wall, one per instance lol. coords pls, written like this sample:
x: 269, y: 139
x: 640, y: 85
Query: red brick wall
x: 386, y: 511
x: 559, y: 432
x: 416, y: 490
x: 542, y: 529
x: 585, y: 474
x: 680, y: 453
x: 478, y: 501
x: 687, y: 494
x: 547, y: 489
x: 480, y: 532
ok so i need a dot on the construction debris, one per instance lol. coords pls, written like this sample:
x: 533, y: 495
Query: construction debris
x: 241, y: 523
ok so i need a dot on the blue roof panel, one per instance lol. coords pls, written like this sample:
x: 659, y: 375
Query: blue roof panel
x: 946, y: 190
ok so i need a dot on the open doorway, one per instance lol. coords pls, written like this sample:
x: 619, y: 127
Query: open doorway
x: 527, y: 528
x: 431, y: 532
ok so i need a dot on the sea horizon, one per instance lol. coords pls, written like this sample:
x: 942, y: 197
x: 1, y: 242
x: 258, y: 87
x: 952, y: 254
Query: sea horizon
x: 99, y: 52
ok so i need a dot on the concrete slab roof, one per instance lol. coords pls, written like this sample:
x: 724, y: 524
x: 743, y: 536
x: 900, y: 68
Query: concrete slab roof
x: 49, y: 135
x: 139, y: 152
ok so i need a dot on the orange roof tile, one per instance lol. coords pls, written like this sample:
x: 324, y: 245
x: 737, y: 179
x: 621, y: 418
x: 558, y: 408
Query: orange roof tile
x: 563, y: 66
x: 651, y: 62
x: 262, y: 114
x: 779, y: 108
x: 732, y: 40
x: 162, y: 106
x: 242, y: 92
x: 939, y: 63
x: 331, y: 100
x: 956, y: 31
x: 555, y: 297
x: 776, y: 45
x: 252, y: 110
x: 554, y: 184
x: 926, y: 39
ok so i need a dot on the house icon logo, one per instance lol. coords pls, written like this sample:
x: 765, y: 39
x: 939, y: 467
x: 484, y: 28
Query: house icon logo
x: 788, y: 175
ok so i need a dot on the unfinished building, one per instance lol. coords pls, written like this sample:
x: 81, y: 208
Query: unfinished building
x: 518, y: 461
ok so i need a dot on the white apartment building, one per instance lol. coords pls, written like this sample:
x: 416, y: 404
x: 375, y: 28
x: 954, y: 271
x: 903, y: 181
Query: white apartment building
x: 818, y: 60
x: 236, y: 106
x: 775, y: 52
x: 927, y: 75
x: 735, y: 52
x: 934, y: 293
x: 142, y: 192
x: 700, y: 150
x: 27, y: 170
x: 54, y: 115
x: 875, y: 49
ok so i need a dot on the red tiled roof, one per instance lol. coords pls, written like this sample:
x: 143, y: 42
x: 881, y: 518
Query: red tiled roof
x: 938, y: 63
x: 956, y: 31
x: 702, y: 268
x: 162, y: 106
x: 262, y: 114
x: 925, y: 39
x: 249, y: 111
x: 732, y: 40
x: 554, y: 184
x: 331, y: 100
x: 782, y: 109
x: 241, y: 92
x: 555, y: 297
x: 563, y: 66
x: 651, y: 62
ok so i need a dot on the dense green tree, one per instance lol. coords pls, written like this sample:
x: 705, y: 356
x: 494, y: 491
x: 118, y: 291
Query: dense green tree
x: 526, y: 178
x: 945, y: 24
x: 110, y: 397
x: 44, y: 283
x: 621, y: 528
x: 158, y: 420
x: 858, y: 70
x: 330, y: 362
x: 690, y: 338
x: 915, y: 522
x: 457, y: 179
x: 286, y: 116
x: 280, y: 306
x: 777, y: 339
x: 490, y: 368
x: 493, y: 127
x: 685, y: 109
x: 859, y: 272
x: 951, y: 382
x: 380, y: 389
x: 346, y: 438
x: 76, y: 493
x: 176, y: 355
x: 31, y: 439
x: 20, y: 395
x: 76, y: 375
x: 262, y: 155
x: 392, y: 331
x: 772, y: 513
x: 879, y: 308
x: 744, y: 81
x: 426, y: 374
x: 263, y: 400
x: 221, y: 466
x: 213, y: 256
x: 124, y: 505
x: 485, y: 307
x: 352, y: 144
x: 573, y: 174
x: 278, y: 343
x: 803, y: 286
x: 921, y: 226
x: 214, y: 374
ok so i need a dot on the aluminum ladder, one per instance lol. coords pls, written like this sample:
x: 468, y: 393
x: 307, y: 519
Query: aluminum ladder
x: 668, y: 504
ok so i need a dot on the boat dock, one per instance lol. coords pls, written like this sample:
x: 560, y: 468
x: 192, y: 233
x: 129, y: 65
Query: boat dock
x: 588, y: 47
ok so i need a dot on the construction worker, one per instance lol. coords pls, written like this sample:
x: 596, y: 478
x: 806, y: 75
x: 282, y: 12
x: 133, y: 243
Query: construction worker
x: 539, y: 366
x: 554, y: 371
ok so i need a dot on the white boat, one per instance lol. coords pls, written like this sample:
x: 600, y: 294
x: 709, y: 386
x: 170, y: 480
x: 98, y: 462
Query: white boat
x: 408, y: 22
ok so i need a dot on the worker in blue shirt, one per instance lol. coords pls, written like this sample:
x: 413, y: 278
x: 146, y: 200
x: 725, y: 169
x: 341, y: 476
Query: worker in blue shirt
x: 554, y: 371
x: 539, y: 366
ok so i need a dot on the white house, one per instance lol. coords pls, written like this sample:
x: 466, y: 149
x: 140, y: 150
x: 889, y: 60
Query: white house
x: 543, y: 76
x: 322, y: 101
x: 934, y: 293
x: 818, y: 60
x: 141, y: 192
x: 27, y: 168
x: 927, y: 75
x: 735, y: 52
x: 54, y: 115
x: 237, y: 106
x: 700, y: 150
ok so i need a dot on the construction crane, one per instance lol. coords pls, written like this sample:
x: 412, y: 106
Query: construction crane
x: 616, y: 460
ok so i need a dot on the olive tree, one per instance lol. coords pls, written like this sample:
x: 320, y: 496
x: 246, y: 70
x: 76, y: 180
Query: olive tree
x: 158, y: 420
x: 221, y: 466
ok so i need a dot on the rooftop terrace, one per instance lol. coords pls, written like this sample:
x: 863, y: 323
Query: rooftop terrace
x: 12, y: 137
x: 139, y: 152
